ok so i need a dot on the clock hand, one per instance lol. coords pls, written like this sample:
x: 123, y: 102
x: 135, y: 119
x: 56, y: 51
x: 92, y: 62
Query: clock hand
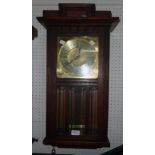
x: 76, y: 57
x: 78, y: 54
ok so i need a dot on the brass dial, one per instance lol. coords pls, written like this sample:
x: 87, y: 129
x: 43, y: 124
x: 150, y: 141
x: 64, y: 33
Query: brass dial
x: 77, y: 57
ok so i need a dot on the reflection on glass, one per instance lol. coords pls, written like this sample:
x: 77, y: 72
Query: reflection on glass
x: 85, y: 69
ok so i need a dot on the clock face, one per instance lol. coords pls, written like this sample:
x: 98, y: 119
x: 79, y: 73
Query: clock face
x: 77, y: 57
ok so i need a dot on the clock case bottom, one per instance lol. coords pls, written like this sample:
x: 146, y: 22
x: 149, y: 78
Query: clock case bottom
x: 74, y: 143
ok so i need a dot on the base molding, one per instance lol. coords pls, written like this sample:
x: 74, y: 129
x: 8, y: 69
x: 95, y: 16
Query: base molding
x: 71, y: 143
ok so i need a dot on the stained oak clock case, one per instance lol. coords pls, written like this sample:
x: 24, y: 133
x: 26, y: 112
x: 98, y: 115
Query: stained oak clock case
x: 77, y: 75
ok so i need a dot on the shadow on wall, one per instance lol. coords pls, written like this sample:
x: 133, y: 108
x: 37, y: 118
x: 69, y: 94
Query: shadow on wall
x: 116, y: 151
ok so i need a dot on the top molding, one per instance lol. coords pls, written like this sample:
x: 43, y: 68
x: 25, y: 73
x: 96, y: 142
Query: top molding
x: 77, y: 14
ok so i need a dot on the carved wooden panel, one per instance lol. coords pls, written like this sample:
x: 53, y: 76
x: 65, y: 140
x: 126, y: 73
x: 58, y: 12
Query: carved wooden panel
x: 77, y: 10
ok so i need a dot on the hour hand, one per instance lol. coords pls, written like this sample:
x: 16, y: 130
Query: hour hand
x: 76, y: 57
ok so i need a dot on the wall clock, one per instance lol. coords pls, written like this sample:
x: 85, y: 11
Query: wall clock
x: 77, y: 75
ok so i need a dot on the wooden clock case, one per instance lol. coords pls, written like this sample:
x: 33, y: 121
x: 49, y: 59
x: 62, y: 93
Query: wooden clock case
x: 92, y: 109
